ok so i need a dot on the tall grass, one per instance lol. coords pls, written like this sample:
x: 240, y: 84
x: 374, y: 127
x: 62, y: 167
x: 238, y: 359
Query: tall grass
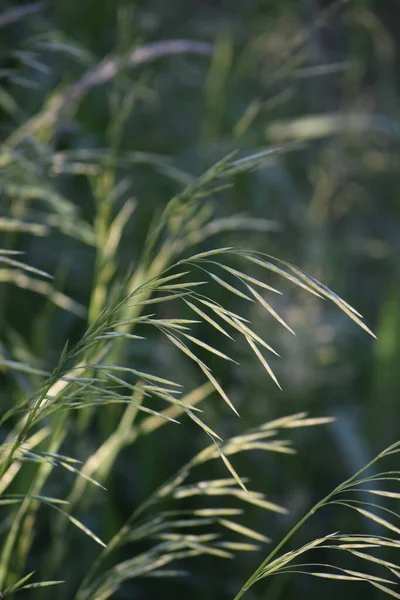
x: 78, y: 394
x: 93, y: 376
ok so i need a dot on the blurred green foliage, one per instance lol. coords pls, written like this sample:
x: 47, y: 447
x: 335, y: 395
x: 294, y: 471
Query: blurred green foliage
x: 320, y: 74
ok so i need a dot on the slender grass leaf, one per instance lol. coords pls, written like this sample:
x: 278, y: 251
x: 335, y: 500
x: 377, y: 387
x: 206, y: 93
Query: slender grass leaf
x: 17, y: 585
x: 383, y: 588
x: 245, y: 531
x: 263, y: 361
x: 269, y: 308
x: 207, y: 318
x: 243, y: 276
x: 230, y: 287
x: 209, y: 348
x: 238, y: 546
x: 41, y: 584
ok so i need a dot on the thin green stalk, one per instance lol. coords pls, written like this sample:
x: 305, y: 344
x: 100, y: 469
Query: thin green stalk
x: 300, y: 523
x: 17, y: 537
x: 282, y: 543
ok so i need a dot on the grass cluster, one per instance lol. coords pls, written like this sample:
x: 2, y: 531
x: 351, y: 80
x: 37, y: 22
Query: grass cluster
x: 53, y: 478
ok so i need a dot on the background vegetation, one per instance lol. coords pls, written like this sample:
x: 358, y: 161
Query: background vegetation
x: 108, y: 110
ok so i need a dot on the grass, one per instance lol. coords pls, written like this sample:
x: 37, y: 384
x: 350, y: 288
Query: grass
x: 92, y: 376
x: 124, y: 338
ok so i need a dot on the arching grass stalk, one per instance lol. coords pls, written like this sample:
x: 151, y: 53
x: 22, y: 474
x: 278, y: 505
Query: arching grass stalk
x: 261, y: 571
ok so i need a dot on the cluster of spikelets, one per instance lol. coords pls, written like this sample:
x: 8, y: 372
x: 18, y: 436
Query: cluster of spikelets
x: 93, y: 374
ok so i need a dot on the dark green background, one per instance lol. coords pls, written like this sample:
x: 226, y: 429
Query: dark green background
x: 336, y: 199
